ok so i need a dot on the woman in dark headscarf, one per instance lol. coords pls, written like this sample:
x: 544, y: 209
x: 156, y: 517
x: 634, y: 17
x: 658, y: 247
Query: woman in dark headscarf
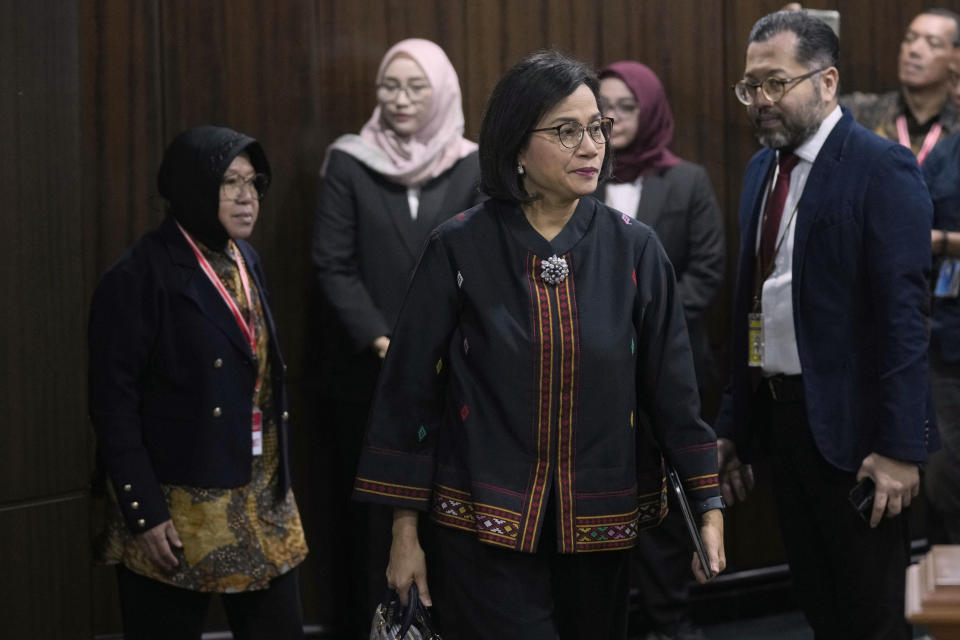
x: 187, y: 400
x: 674, y: 197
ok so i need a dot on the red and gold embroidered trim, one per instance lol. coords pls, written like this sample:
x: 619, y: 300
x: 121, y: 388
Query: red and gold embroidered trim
x: 365, y: 485
x: 457, y: 509
x: 701, y: 482
x: 652, y: 507
x: 566, y: 446
x: 543, y: 335
x: 554, y: 327
x: 603, y: 533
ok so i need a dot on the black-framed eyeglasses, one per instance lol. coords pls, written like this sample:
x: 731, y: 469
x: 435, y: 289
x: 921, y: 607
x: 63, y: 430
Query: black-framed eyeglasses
x: 571, y: 133
x: 416, y: 92
x: 773, y: 89
x: 234, y: 185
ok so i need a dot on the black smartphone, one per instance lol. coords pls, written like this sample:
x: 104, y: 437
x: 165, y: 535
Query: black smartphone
x: 861, y: 497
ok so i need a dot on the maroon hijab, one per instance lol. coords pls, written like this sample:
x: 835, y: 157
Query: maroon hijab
x: 648, y: 153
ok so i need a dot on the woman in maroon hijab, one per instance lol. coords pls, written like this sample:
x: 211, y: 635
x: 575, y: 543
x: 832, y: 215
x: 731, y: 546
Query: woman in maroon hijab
x: 674, y: 197
x: 656, y: 187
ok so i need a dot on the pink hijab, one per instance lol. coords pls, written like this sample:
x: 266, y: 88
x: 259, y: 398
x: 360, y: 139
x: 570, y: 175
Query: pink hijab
x: 432, y: 150
x: 648, y: 153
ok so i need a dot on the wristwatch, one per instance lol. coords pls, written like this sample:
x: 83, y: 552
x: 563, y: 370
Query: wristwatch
x: 716, y: 502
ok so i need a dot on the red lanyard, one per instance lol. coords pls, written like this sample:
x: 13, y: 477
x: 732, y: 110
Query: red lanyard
x: 932, y: 136
x: 246, y: 327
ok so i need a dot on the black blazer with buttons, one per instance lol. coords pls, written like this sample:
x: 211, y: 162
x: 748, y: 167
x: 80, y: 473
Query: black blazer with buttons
x: 171, y: 377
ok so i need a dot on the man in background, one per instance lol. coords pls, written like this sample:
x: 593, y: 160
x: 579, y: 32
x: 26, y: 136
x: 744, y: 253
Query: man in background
x: 942, y: 480
x: 920, y: 113
x: 924, y: 110
x: 829, y: 345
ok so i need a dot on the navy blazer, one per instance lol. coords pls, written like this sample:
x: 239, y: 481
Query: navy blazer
x: 861, y: 259
x: 172, y: 377
x: 941, y: 172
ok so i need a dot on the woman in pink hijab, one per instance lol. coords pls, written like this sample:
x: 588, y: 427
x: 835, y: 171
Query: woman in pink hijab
x: 673, y: 196
x: 383, y: 191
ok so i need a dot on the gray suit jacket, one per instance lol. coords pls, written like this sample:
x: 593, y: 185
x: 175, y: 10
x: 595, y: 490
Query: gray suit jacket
x: 680, y: 206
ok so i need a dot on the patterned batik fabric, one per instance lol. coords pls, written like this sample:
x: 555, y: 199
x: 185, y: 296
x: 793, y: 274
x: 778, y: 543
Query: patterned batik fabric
x: 236, y: 539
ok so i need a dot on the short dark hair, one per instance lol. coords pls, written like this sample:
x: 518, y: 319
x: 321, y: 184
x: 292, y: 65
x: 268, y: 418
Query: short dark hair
x: 523, y: 95
x: 946, y: 13
x: 817, y: 44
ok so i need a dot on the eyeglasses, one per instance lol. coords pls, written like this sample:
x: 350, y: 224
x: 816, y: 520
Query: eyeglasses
x: 234, y: 185
x: 773, y: 89
x: 571, y: 133
x: 416, y: 92
x: 623, y: 107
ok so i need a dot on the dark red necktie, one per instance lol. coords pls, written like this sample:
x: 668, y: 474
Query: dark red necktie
x: 773, y: 211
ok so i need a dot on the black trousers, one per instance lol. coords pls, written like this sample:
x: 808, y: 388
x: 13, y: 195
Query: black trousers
x: 153, y: 610
x: 942, y: 480
x: 660, y: 569
x: 849, y: 578
x: 362, y: 551
x: 363, y: 531
x: 481, y: 592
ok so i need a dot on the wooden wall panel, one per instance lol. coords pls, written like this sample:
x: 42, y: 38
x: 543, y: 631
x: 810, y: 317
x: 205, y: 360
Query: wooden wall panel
x: 682, y: 44
x: 40, y: 254
x: 45, y: 587
x: 120, y: 94
x: 44, y: 584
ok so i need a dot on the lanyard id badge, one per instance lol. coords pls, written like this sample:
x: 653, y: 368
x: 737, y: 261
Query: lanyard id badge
x: 948, y: 280
x: 257, y: 431
x: 928, y: 142
x: 754, y: 339
x: 755, y: 318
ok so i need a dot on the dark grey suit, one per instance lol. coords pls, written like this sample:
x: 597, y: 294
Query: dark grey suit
x: 680, y: 206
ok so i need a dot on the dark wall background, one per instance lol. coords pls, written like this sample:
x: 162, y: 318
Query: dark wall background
x: 92, y: 91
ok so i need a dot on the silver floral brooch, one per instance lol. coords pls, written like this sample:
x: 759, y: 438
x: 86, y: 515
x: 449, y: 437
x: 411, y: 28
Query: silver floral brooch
x: 554, y: 270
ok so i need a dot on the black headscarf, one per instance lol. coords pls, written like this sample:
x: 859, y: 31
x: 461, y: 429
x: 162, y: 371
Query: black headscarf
x: 191, y: 174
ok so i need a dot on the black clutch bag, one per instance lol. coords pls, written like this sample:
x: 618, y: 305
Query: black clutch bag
x: 393, y: 621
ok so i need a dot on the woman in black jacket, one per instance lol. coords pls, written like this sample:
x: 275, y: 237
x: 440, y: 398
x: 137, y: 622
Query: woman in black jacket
x: 188, y: 403
x: 539, y: 354
x: 383, y: 191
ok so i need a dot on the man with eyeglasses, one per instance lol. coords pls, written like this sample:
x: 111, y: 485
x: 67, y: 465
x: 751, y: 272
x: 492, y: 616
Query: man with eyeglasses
x: 829, y: 370
x: 920, y: 113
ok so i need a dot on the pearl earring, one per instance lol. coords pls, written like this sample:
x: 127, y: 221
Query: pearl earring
x: 520, y: 170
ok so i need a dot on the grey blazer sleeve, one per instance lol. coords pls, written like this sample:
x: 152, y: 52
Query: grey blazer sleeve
x: 702, y: 274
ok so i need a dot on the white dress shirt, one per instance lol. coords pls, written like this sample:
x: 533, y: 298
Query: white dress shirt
x: 780, y: 355
x: 413, y: 199
x: 624, y: 196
